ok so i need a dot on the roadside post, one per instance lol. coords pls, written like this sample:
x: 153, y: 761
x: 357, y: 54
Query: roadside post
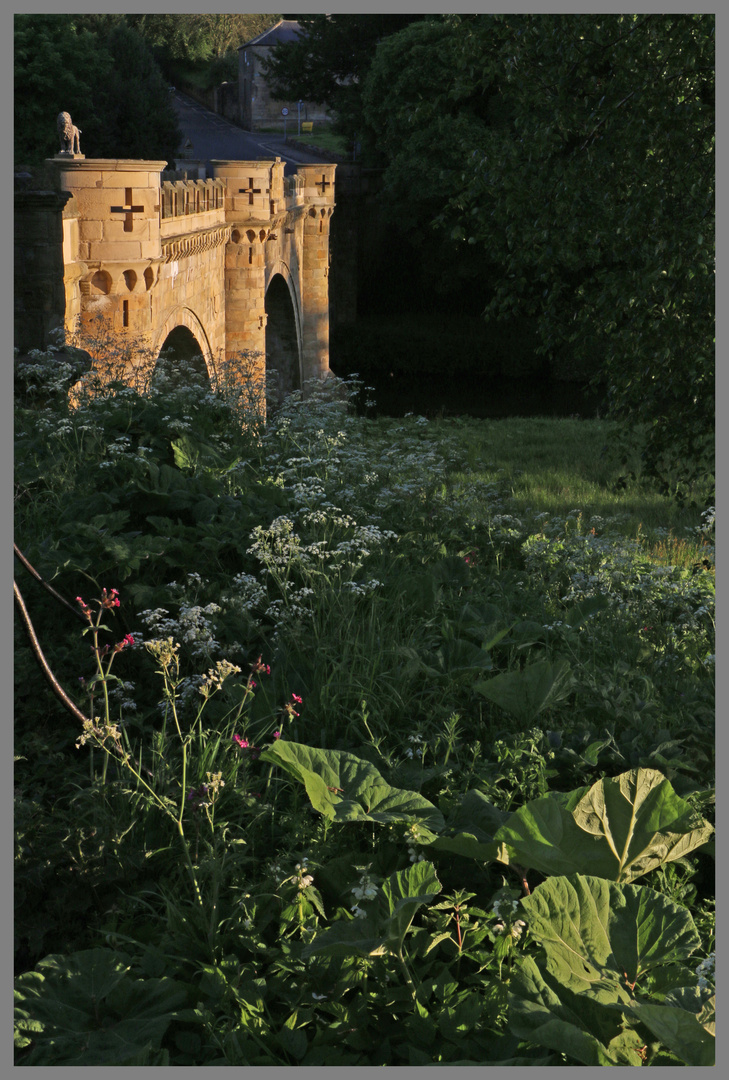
x: 284, y: 113
x: 299, y: 107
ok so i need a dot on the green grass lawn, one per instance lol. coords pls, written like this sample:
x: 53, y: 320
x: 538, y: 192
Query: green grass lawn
x: 322, y: 136
x: 559, y: 465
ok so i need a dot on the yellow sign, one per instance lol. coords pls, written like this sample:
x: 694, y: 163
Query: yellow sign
x: 308, y: 125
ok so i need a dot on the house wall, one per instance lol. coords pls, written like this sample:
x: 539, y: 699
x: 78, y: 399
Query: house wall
x: 257, y: 108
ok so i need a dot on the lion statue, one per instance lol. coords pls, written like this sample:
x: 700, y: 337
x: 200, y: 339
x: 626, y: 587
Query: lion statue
x: 68, y: 133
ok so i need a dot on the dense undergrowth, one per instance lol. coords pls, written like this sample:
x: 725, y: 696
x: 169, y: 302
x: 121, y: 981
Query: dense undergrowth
x: 381, y: 755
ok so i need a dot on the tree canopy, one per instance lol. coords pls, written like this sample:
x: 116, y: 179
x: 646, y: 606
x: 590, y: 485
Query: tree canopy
x: 100, y: 70
x: 414, y: 125
x: 198, y: 37
x: 577, y: 152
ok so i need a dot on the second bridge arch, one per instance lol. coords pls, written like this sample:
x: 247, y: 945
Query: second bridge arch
x: 283, y: 341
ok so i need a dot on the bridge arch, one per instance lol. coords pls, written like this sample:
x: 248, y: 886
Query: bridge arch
x: 184, y: 317
x: 283, y: 332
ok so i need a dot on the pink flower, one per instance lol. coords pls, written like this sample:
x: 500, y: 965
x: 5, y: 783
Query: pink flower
x: 297, y: 699
x: 277, y: 734
x: 84, y: 607
x: 260, y: 668
x: 126, y: 640
x: 254, y: 751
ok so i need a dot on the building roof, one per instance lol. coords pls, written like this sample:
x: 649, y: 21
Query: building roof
x: 285, y: 30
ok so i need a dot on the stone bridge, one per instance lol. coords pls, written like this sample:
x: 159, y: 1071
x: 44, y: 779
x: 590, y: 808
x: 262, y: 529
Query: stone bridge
x: 238, y: 262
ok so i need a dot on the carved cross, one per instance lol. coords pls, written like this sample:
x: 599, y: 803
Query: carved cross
x: 128, y: 209
x: 323, y: 183
x: 250, y: 191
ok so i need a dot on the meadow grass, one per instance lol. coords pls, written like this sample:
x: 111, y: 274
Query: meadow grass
x: 558, y: 465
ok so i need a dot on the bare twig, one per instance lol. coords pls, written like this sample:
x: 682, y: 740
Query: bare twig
x: 43, y: 663
x: 31, y: 570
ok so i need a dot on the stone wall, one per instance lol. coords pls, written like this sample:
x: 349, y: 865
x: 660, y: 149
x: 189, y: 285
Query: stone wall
x: 39, y: 294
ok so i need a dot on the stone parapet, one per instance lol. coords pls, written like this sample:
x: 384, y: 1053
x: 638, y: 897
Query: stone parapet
x: 102, y: 172
x: 318, y: 183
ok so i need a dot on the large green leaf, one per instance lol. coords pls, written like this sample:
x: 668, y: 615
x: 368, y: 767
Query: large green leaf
x: 688, y: 1032
x: 406, y: 891
x: 605, y: 937
x: 525, y: 693
x: 85, y: 1009
x: 458, y: 655
x: 641, y: 821
x: 346, y: 788
x: 601, y: 941
x: 546, y: 1014
x: 620, y: 829
x: 192, y: 453
x: 384, y: 928
x: 543, y: 835
x: 580, y: 613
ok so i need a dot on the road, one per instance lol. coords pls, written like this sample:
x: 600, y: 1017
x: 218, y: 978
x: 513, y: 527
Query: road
x: 214, y: 137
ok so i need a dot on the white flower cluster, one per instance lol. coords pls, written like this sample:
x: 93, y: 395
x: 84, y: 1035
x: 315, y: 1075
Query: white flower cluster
x: 708, y: 521
x: 246, y: 598
x: 216, y: 677
x: 706, y: 972
x: 366, y: 889
x: 618, y: 570
x: 119, y: 695
x: 280, y: 549
x: 361, y: 588
x: 418, y: 747
x: 301, y: 879
x: 193, y: 626
x: 277, y: 545
x: 505, y: 910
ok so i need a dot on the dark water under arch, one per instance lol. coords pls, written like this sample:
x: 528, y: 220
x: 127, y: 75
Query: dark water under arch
x: 283, y: 363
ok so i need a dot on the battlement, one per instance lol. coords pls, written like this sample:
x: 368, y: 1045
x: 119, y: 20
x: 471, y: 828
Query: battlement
x: 180, y: 198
